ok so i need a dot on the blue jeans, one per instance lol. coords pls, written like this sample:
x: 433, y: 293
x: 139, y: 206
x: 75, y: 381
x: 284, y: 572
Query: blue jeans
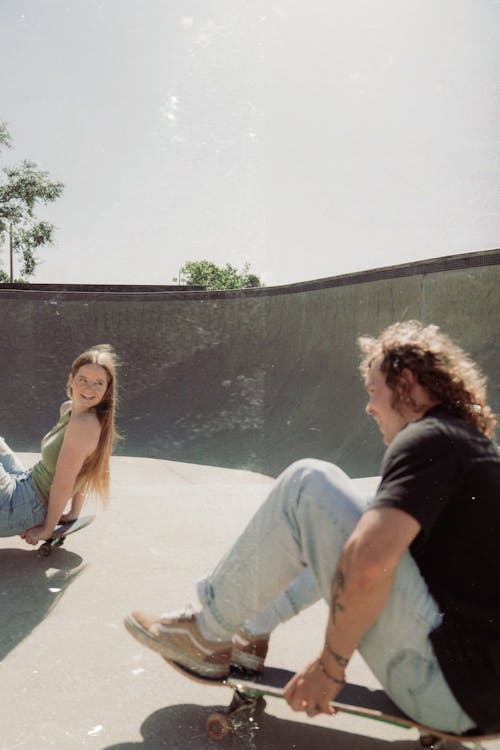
x: 303, y: 592
x: 20, y: 507
x: 305, y: 522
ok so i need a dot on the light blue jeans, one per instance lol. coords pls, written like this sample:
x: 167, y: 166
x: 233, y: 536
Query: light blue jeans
x: 305, y: 523
x: 20, y: 507
x: 303, y: 591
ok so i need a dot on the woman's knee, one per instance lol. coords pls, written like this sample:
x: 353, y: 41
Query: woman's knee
x: 4, y: 448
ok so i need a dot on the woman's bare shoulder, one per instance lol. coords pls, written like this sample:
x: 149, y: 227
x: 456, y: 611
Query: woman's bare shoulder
x: 64, y: 408
x: 85, y: 428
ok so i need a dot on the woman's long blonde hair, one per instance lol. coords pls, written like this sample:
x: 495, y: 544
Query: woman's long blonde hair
x: 93, y: 477
x: 446, y: 372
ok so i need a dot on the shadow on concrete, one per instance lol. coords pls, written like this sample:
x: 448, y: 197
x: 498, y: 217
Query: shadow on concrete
x: 183, y: 728
x: 30, y: 587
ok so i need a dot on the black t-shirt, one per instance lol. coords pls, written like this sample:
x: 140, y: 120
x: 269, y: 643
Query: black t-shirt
x: 446, y: 474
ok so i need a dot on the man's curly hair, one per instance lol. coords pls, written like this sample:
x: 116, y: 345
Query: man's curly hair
x: 440, y: 366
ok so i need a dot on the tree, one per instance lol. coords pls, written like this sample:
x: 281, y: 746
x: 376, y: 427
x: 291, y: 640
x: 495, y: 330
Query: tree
x: 206, y: 273
x: 4, y: 135
x: 22, y: 188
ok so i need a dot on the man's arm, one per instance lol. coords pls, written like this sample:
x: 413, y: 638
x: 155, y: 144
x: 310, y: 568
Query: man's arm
x: 361, y: 586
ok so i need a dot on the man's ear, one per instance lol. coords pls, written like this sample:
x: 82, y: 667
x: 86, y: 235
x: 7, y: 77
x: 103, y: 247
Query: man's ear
x: 408, y: 376
x: 404, y: 387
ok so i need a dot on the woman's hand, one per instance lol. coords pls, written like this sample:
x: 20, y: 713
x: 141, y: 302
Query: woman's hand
x: 68, y: 517
x: 312, y: 690
x: 35, y: 534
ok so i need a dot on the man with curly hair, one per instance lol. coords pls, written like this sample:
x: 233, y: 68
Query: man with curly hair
x: 410, y: 579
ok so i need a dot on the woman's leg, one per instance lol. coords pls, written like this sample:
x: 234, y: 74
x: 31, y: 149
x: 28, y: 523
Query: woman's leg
x: 9, y: 462
x: 20, y: 508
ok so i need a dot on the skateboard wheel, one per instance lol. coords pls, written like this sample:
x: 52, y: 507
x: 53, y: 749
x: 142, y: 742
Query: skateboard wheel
x: 429, y: 740
x: 218, y: 726
x: 44, y: 550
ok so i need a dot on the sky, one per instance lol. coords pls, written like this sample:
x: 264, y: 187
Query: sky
x: 308, y: 139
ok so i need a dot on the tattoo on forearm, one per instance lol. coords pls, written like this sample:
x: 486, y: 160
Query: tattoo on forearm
x: 337, y: 589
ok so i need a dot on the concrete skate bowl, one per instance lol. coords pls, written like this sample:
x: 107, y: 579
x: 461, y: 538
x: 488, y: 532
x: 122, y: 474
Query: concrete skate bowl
x: 250, y: 379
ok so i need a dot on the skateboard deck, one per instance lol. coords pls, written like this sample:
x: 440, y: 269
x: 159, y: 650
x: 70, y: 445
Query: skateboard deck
x: 61, y: 531
x: 249, y: 698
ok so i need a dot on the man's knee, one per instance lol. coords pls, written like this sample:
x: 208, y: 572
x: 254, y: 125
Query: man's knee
x: 313, y: 473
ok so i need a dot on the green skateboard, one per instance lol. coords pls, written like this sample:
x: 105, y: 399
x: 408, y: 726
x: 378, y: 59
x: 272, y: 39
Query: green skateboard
x: 249, y: 700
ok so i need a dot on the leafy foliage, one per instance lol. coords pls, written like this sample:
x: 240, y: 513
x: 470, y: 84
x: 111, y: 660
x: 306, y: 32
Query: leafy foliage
x: 22, y: 188
x: 206, y: 273
x: 4, y: 135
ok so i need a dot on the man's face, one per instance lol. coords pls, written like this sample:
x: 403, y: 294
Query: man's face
x: 379, y: 406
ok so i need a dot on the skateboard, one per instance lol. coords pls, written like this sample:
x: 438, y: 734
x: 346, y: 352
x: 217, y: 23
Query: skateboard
x: 249, y: 694
x: 61, y: 531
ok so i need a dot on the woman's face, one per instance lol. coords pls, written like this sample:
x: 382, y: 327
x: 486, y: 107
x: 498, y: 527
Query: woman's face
x: 88, y: 386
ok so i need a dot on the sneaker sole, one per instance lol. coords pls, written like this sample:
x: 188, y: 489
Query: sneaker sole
x: 247, y: 662
x: 186, y: 672
x: 172, y: 654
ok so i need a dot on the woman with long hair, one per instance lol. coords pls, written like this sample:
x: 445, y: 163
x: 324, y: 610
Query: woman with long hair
x: 75, y: 454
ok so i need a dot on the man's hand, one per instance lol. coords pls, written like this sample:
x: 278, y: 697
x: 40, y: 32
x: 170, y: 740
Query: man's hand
x: 312, y: 690
x: 36, y: 534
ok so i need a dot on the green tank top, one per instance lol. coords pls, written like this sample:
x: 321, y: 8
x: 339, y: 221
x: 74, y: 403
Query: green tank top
x: 43, y: 472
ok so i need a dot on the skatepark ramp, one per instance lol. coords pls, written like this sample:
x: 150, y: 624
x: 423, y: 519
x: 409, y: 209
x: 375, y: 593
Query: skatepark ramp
x: 249, y: 379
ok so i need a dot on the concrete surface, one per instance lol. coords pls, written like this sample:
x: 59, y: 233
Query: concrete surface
x: 247, y: 379
x: 73, y: 679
